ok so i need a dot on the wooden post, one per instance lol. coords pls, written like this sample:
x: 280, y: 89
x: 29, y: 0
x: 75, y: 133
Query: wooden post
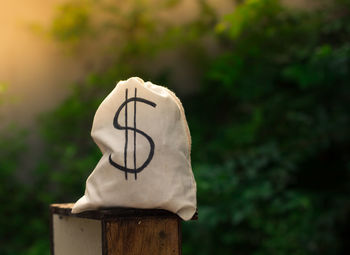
x: 114, y: 231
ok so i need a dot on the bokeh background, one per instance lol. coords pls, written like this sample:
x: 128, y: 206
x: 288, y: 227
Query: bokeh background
x: 265, y: 86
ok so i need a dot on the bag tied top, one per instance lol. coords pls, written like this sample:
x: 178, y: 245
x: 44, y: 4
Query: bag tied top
x: 142, y: 132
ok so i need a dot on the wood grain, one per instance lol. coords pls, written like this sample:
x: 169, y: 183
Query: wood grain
x: 143, y: 236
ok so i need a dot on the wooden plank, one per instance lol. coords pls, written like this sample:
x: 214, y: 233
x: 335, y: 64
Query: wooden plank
x: 122, y: 231
x: 150, y: 235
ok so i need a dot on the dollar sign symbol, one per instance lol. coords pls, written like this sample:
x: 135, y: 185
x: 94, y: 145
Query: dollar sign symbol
x: 124, y: 168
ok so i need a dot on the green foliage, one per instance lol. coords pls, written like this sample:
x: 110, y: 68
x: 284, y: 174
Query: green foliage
x: 19, y: 203
x: 276, y: 177
x: 71, y: 23
x: 269, y: 126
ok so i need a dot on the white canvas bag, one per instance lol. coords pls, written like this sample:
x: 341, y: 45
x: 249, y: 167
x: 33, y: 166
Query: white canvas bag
x: 142, y: 132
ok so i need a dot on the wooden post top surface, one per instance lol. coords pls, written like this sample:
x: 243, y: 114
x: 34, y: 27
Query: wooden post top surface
x: 113, y: 212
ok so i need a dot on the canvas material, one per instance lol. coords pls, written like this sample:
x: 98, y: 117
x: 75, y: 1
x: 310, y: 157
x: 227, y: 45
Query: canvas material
x: 166, y: 181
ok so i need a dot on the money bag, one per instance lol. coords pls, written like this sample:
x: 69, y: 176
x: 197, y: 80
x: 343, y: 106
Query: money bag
x: 142, y: 132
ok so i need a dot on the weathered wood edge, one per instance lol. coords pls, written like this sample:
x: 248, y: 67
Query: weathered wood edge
x: 112, y: 213
x: 104, y: 237
x: 179, y: 225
